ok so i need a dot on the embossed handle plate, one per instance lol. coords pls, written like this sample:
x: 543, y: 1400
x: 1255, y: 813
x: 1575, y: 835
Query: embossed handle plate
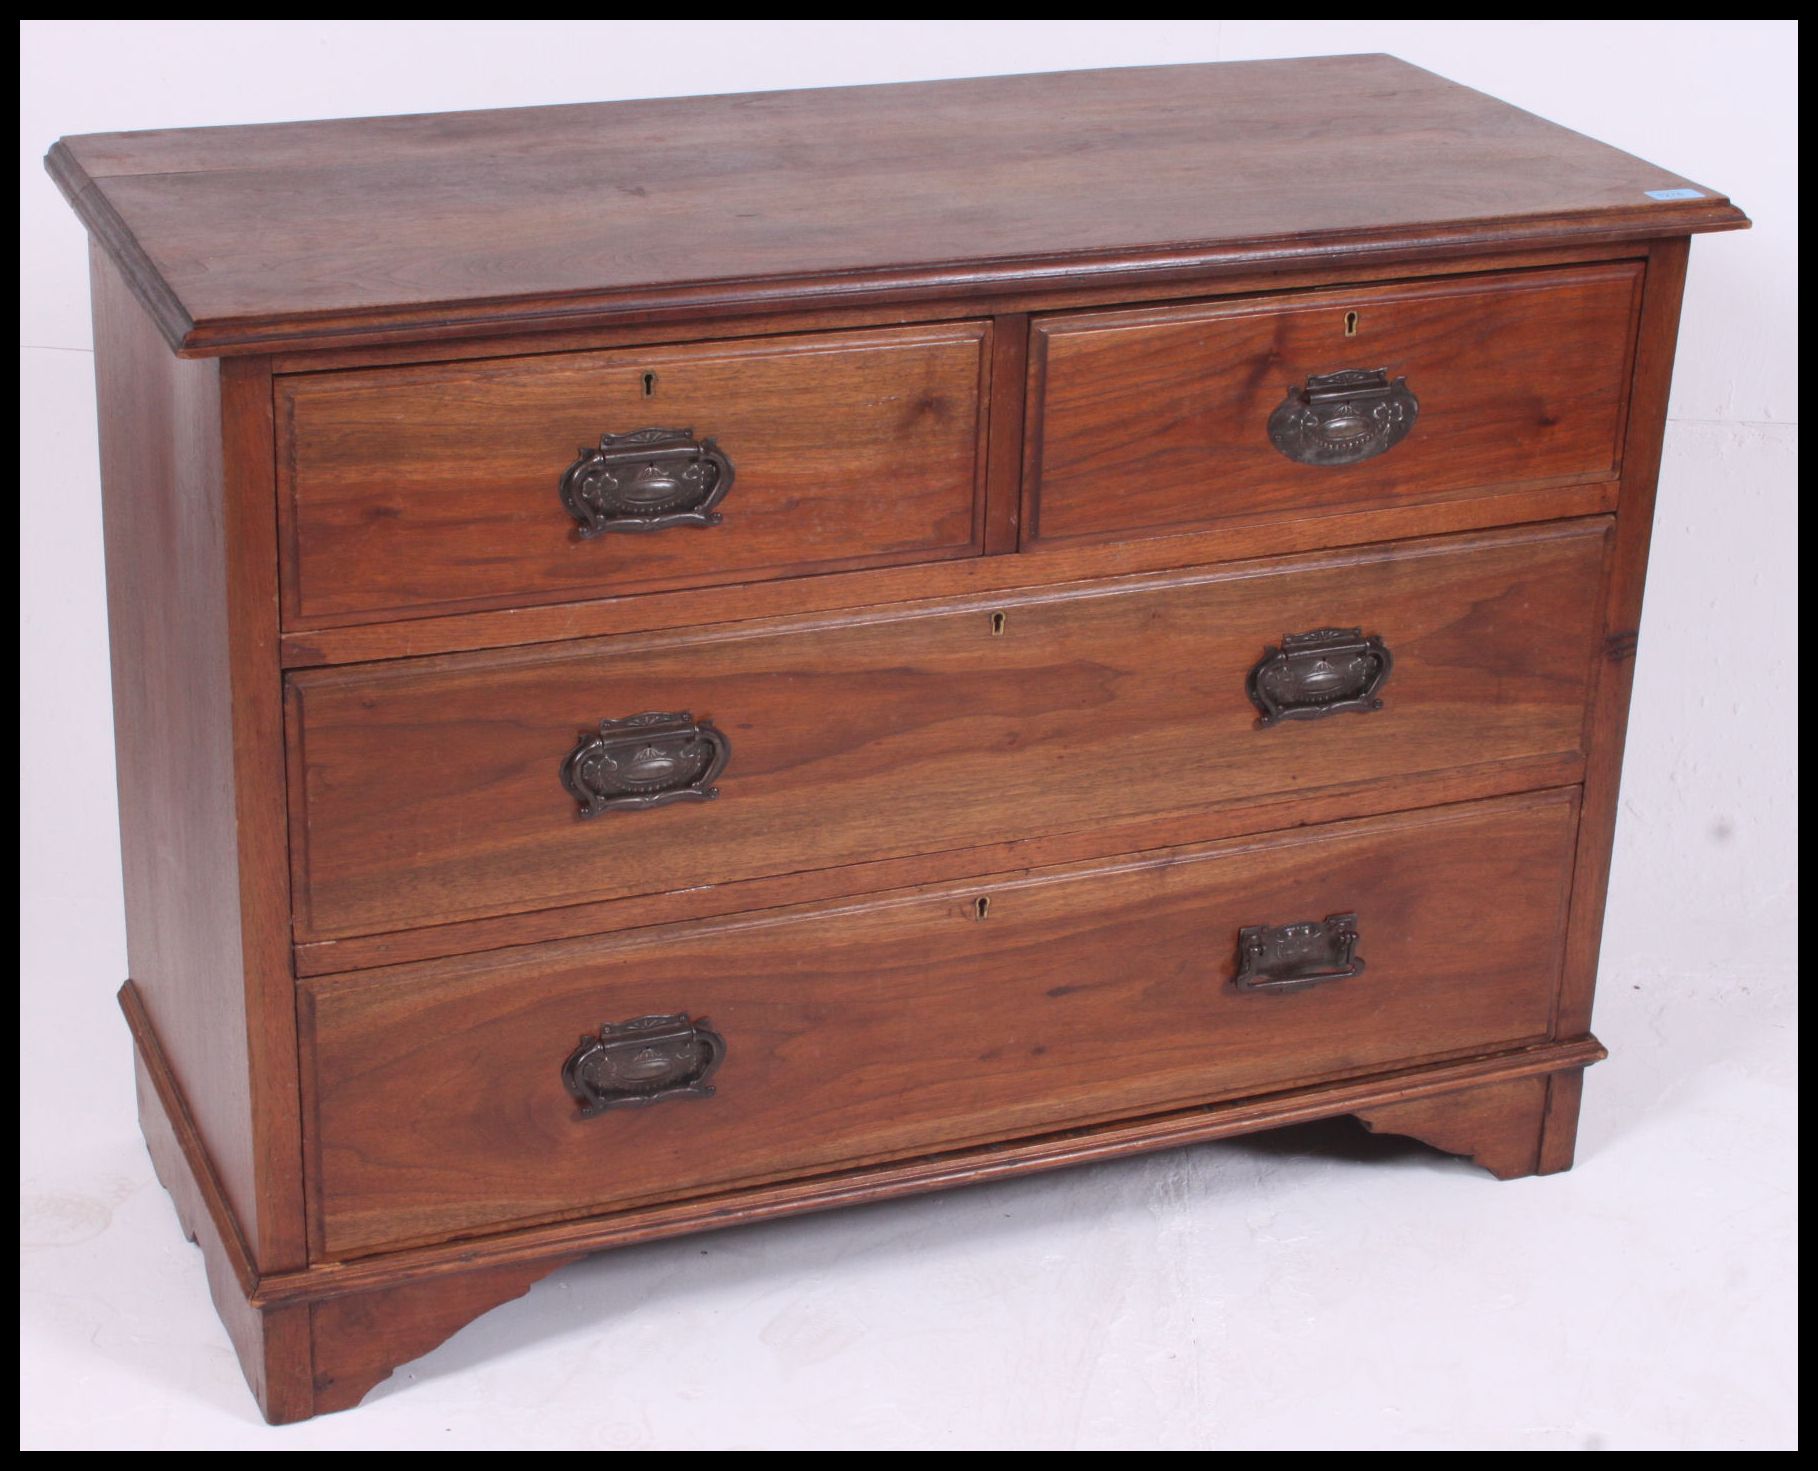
x: 1289, y: 957
x: 636, y: 1063
x: 645, y: 761
x: 1310, y: 675
x: 1341, y: 418
x: 646, y: 481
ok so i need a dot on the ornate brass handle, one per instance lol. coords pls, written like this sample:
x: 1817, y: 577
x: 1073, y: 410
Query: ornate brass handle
x: 1341, y: 418
x: 631, y: 1064
x: 1320, y: 673
x: 645, y: 761
x: 646, y: 481
x: 1292, y: 956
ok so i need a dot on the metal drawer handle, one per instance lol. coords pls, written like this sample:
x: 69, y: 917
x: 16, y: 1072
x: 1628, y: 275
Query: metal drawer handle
x: 1341, y: 418
x: 1292, y: 956
x: 1320, y: 673
x: 631, y: 1064
x: 645, y: 761
x: 645, y: 481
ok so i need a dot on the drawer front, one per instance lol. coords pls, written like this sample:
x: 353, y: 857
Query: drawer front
x: 1161, y: 421
x: 459, y: 1096
x: 441, y: 488
x: 439, y: 790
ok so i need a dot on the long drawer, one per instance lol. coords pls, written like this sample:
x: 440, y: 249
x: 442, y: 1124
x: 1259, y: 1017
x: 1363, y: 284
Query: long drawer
x: 459, y: 1096
x: 514, y: 481
x: 1152, y: 421
x: 439, y: 790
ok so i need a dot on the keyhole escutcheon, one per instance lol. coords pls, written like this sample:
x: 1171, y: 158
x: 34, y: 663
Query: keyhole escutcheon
x: 1350, y: 324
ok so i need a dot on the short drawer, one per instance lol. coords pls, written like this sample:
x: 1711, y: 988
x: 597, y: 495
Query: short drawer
x: 436, y: 790
x: 512, y: 481
x: 462, y: 1096
x: 1161, y: 421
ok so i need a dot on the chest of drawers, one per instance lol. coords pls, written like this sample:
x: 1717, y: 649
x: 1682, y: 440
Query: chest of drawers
x: 679, y: 662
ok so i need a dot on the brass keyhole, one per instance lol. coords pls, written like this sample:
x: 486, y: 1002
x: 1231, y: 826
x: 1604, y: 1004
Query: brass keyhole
x: 981, y: 907
x: 997, y: 624
x: 1350, y: 324
x: 650, y: 381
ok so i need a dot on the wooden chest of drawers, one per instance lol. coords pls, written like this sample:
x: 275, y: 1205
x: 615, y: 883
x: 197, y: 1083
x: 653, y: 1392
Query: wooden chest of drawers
x: 678, y: 662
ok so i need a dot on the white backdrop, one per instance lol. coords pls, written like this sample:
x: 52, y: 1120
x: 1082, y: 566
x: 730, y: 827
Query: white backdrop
x: 1306, y: 1290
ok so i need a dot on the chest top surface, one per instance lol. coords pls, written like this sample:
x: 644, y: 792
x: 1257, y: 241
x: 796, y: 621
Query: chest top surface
x: 306, y: 233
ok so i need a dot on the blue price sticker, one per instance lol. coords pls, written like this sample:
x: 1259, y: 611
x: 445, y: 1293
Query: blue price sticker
x: 1674, y: 193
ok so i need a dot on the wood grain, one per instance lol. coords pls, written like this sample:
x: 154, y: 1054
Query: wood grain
x: 430, y: 489
x: 428, y: 793
x: 358, y: 1339
x: 1004, y: 485
x: 299, y: 1358
x: 1502, y: 1126
x: 297, y: 234
x: 993, y: 359
x: 272, y: 1345
x: 1157, y: 418
x: 1058, y: 564
x: 1054, y: 295
x: 706, y: 901
x: 188, y: 517
x: 1607, y: 714
x: 315, y: 1340
x: 1559, y: 1129
x: 948, y: 1169
x: 896, y: 1026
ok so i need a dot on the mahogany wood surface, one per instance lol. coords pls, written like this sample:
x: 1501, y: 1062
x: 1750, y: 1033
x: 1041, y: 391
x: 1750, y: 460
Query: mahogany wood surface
x: 429, y: 792
x: 1056, y: 295
x: 187, y: 518
x: 298, y: 233
x: 358, y: 1339
x: 301, y: 1358
x: 428, y: 489
x: 1362, y: 798
x: 314, y: 1339
x: 1057, y: 564
x: 1607, y: 718
x: 1559, y: 1129
x: 1158, y: 418
x: 1509, y: 1127
x: 948, y: 1017
x: 994, y: 361
x: 1004, y: 485
x: 272, y: 1344
x: 938, y: 1171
